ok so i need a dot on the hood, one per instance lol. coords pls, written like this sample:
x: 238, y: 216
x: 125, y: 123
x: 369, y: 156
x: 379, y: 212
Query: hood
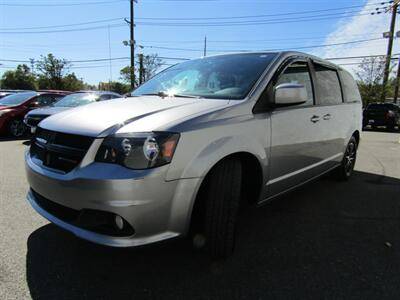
x: 47, y: 111
x: 141, y: 114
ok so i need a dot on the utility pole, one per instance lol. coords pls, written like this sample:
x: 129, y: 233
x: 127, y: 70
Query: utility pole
x: 389, y: 49
x: 396, y: 87
x: 397, y: 82
x: 141, y: 70
x: 132, y: 44
x: 205, y: 46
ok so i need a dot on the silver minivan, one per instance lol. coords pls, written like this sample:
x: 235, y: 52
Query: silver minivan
x: 192, y: 146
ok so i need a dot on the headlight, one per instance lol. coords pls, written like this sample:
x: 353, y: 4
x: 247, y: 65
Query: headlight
x: 5, y: 111
x: 138, y: 150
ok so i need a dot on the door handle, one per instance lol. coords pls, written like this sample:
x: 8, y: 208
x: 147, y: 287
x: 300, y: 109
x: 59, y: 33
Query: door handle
x: 327, y: 117
x: 314, y: 119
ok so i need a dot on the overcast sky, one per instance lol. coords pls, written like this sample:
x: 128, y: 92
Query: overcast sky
x: 247, y: 25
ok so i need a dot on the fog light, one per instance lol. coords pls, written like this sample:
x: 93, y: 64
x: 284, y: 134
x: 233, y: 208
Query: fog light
x: 119, y: 222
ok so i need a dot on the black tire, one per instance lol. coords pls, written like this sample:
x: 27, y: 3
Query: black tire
x: 16, y: 128
x: 345, y: 170
x: 390, y: 128
x: 221, y: 208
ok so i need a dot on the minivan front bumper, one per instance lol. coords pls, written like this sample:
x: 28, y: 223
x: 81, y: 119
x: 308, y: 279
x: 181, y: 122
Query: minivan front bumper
x: 156, y: 209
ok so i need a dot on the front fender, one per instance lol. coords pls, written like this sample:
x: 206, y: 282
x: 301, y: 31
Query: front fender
x: 211, y: 152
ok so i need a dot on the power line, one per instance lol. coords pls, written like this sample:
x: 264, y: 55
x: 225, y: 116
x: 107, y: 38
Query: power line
x: 60, y: 4
x: 184, y: 59
x: 63, y: 30
x: 63, y: 25
x: 261, y: 16
x: 249, y: 23
x: 277, y: 49
x: 319, y: 17
x: 195, y: 18
x: 200, y: 41
x: 355, y: 57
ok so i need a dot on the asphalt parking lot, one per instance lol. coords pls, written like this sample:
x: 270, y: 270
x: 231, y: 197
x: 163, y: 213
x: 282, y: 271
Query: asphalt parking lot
x: 326, y: 240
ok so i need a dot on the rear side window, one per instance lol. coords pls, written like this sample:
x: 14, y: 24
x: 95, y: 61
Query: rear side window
x: 328, y: 85
x: 45, y: 100
x: 298, y: 73
x: 350, y: 88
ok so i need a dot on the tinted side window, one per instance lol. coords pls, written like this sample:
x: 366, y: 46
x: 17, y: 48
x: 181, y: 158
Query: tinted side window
x: 58, y: 97
x: 350, y: 88
x: 45, y: 100
x: 298, y: 73
x: 105, y: 97
x: 328, y: 86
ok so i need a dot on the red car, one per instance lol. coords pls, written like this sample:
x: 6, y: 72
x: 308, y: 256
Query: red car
x: 14, y: 107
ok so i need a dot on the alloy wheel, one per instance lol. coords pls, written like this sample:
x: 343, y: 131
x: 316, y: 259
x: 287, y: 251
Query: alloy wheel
x: 350, y: 158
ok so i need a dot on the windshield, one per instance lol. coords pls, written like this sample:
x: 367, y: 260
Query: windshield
x: 16, y: 99
x: 78, y: 99
x: 219, y: 77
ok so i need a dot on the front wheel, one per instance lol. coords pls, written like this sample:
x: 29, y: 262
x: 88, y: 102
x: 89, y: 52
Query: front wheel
x: 17, y: 128
x: 222, y: 197
x: 344, y: 171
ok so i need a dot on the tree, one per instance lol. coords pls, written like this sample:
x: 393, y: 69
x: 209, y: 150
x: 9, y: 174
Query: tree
x: 51, y: 72
x: 71, y: 83
x: 126, y: 75
x: 21, y: 78
x: 115, y: 86
x: 151, y: 64
x: 369, y: 77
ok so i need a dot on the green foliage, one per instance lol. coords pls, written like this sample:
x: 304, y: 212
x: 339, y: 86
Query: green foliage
x: 369, y: 78
x: 51, y: 72
x: 115, y: 86
x: 151, y: 64
x: 126, y: 75
x: 21, y: 78
x: 71, y: 83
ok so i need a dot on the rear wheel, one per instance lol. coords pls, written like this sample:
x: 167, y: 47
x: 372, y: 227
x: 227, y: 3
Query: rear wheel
x: 344, y: 171
x: 17, y: 128
x: 222, y: 197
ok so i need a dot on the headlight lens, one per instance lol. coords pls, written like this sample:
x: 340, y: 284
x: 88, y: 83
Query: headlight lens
x: 138, y: 150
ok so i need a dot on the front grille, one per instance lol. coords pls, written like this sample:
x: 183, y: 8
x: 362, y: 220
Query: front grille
x: 58, y: 150
x: 33, y: 121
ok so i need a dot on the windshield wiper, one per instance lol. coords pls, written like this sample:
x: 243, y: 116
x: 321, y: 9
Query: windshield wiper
x: 164, y: 95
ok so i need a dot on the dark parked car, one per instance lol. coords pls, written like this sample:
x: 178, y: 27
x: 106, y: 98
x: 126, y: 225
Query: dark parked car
x: 13, y: 109
x: 33, y: 118
x: 381, y: 114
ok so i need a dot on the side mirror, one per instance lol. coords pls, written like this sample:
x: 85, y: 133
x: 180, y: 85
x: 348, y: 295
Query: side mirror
x: 287, y: 94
